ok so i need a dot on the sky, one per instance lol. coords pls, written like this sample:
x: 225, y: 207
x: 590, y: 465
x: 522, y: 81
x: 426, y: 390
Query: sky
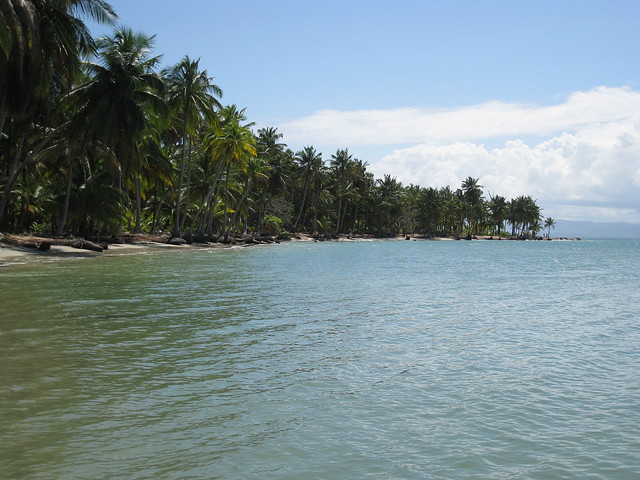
x: 531, y: 97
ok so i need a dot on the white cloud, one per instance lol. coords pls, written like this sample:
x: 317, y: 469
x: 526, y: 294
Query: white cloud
x: 575, y: 176
x: 476, y: 122
x: 585, y: 165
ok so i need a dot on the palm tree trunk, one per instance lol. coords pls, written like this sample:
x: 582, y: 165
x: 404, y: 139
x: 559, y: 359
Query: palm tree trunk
x: 184, y: 217
x: 237, y: 210
x: 304, y: 199
x: 176, y: 212
x: 338, y: 219
x: 226, y: 200
x: 207, y: 200
x: 65, y: 206
x: 138, y: 226
x: 155, y: 209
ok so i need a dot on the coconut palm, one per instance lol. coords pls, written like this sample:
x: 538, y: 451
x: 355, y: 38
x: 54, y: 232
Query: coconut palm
x: 390, y: 196
x: 41, y: 46
x: 549, y: 223
x: 193, y: 97
x: 42, y: 43
x: 229, y: 143
x: 256, y: 171
x: 472, y: 197
x: 430, y: 209
x: 523, y: 212
x: 311, y: 164
x: 342, y: 165
x: 117, y: 103
x: 498, y: 211
x: 269, y: 148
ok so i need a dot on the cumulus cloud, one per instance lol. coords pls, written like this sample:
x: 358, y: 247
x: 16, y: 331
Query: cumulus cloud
x: 468, y: 123
x: 575, y: 176
x: 585, y: 164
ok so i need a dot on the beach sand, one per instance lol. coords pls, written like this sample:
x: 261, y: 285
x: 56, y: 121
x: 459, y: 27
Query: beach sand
x: 18, y: 254
x: 13, y: 249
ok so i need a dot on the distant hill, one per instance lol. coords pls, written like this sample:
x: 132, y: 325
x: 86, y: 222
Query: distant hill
x: 568, y: 228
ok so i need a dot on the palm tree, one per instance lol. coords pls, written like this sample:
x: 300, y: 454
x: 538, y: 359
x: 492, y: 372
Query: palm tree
x: 256, y: 171
x: 41, y: 46
x: 310, y: 161
x: 523, y: 213
x: 389, y: 204
x: 430, y: 209
x: 342, y: 164
x: 229, y: 143
x: 270, y: 149
x: 192, y: 95
x: 549, y: 223
x: 498, y: 211
x: 472, y: 196
x: 534, y: 227
x: 42, y: 43
x: 116, y: 104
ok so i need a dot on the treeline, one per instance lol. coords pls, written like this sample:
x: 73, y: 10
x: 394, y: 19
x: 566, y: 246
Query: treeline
x: 96, y: 139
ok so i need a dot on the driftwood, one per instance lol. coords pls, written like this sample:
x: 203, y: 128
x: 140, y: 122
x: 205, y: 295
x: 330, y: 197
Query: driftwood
x: 86, y: 245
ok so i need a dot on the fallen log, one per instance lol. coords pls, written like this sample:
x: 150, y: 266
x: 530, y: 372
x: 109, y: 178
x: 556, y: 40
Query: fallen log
x: 86, y: 245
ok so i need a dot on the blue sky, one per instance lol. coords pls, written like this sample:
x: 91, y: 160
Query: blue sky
x: 532, y: 97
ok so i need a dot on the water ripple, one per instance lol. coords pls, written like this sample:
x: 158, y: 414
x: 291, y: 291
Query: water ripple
x: 377, y: 360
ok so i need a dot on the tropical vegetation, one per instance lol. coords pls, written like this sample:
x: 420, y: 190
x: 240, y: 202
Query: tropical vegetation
x: 97, y: 139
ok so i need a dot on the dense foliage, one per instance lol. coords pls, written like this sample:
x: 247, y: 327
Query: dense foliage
x: 96, y: 140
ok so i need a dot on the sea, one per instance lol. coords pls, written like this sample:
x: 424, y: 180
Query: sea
x: 324, y: 360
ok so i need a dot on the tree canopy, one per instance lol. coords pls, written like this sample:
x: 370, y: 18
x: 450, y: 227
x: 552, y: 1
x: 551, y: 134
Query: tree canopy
x: 96, y: 139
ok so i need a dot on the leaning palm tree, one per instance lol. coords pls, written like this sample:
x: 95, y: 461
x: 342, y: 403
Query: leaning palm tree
x: 230, y: 143
x: 256, y: 171
x: 192, y: 94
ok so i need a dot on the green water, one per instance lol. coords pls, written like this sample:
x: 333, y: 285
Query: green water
x: 386, y: 360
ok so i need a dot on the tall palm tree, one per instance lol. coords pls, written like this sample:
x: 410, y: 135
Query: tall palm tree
x: 498, y: 211
x: 116, y: 104
x: 256, y: 171
x: 42, y: 43
x: 310, y: 162
x: 523, y: 212
x: 230, y: 143
x: 193, y: 96
x: 342, y: 164
x: 390, y: 199
x: 549, y: 223
x: 472, y: 196
x: 269, y: 148
x: 430, y: 209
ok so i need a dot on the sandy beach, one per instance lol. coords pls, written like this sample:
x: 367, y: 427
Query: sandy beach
x: 12, y: 253
x: 17, y: 248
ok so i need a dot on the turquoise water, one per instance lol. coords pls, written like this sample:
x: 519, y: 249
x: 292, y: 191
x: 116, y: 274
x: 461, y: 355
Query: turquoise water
x: 364, y: 360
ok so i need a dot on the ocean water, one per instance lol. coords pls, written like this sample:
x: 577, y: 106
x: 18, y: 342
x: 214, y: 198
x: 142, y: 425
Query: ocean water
x: 348, y: 360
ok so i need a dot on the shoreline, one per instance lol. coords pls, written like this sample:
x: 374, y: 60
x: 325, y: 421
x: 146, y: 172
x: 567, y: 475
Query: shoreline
x: 19, y: 247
